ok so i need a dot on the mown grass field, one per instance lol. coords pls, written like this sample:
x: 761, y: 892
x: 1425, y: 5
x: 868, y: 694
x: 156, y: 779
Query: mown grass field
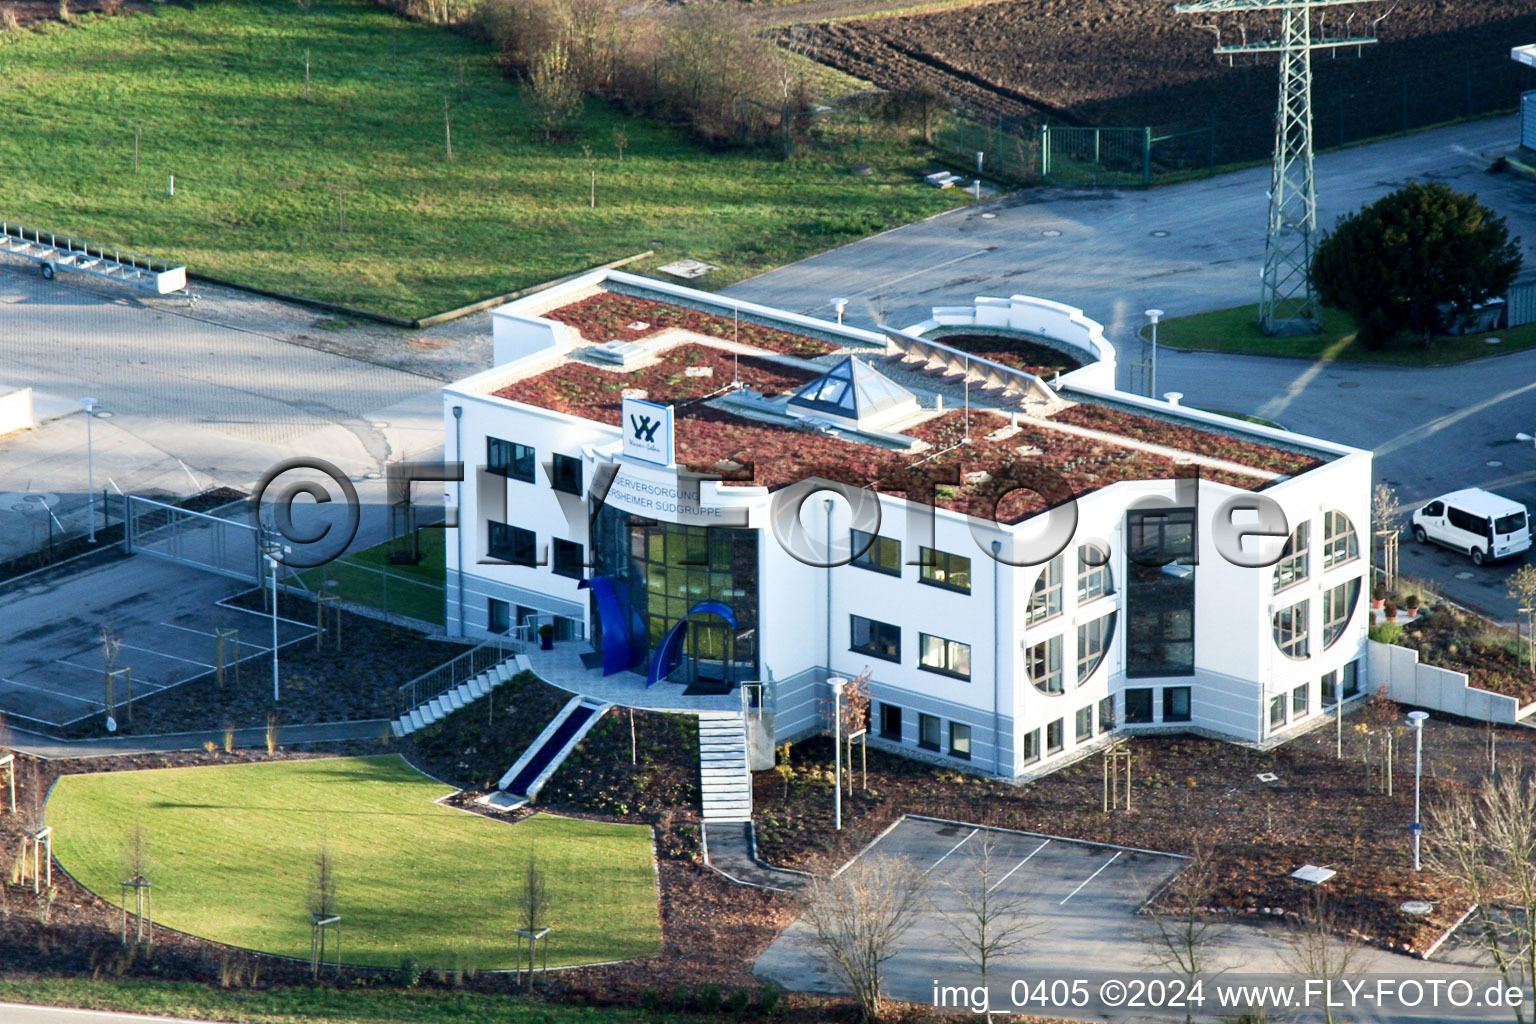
x: 1236, y: 330
x: 216, y: 95
x: 368, y: 577
x: 233, y: 851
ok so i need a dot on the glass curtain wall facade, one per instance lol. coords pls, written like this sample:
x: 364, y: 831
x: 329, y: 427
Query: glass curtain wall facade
x: 665, y: 569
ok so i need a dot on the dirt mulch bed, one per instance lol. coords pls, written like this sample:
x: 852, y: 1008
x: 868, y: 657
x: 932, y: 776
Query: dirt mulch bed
x: 1187, y: 790
x: 39, y: 12
x: 1133, y: 63
x: 1463, y: 642
x: 357, y: 682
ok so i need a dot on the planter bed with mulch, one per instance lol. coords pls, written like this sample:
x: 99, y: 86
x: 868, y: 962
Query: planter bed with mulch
x: 1187, y: 791
x: 609, y: 316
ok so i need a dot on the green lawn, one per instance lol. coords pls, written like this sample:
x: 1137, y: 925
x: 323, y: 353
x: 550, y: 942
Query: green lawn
x: 234, y: 847
x: 1236, y: 330
x: 317, y: 1005
x: 218, y: 92
x: 367, y: 577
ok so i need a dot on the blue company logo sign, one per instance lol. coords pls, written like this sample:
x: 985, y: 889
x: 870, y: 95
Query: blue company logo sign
x: 648, y: 431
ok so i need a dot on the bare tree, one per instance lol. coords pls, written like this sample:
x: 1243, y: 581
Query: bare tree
x: 1321, y: 949
x: 859, y: 916
x: 1485, y: 842
x: 533, y: 905
x: 853, y: 707
x: 1184, y: 934
x: 554, y: 90
x: 322, y: 884
x: 1522, y: 587
x: 988, y: 924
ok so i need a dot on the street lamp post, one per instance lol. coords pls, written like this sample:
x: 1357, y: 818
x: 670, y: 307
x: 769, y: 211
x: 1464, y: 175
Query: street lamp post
x: 90, y: 463
x: 274, y: 548
x: 1154, y: 315
x: 839, y: 305
x: 837, y: 750
x: 1417, y: 718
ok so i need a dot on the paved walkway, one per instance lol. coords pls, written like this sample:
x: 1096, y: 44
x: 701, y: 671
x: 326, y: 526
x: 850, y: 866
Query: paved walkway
x: 729, y: 851
x: 16, y: 1013
x: 119, y: 746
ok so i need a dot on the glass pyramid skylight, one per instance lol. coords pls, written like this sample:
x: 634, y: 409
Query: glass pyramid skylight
x: 853, y: 390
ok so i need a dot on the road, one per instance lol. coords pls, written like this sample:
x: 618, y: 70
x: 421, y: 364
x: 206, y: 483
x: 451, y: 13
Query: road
x: 1199, y: 246
x: 16, y: 1013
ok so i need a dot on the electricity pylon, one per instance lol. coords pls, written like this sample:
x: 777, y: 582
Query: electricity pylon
x: 1287, y: 305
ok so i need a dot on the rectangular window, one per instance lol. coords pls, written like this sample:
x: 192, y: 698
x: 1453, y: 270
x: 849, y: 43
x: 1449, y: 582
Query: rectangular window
x: 1299, y: 701
x: 1106, y: 714
x: 890, y: 722
x: 512, y: 543
x: 959, y: 740
x: 943, y: 569
x: 567, y: 475
x: 1329, y: 689
x: 1138, y: 705
x: 1340, y: 544
x: 1277, y: 711
x: 1291, y: 630
x: 876, y: 639
x: 1030, y: 751
x: 1084, y: 723
x: 1053, y: 736
x: 1338, y: 607
x: 1176, y: 704
x: 1160, y: 593
x: 881, y: 554
x: 949, y: 657
x: 510, y: 459
x: 1351, y: 680
x: 1042, y: 662
x: 928, y: 732
x: 1045, y: 597
x: 568, y: 558
x: 1292, y: 567
x: 1093, y: 579
x: 498, y: 616
x: 1092, y: 642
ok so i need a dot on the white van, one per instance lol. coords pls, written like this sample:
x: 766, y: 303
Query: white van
x: 1484, y: 525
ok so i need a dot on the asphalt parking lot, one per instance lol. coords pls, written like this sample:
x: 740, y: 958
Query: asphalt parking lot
x: 1079, y: 899
x: 52, y: 658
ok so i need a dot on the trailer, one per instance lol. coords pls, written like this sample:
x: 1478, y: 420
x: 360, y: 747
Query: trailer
x: 55, y: 252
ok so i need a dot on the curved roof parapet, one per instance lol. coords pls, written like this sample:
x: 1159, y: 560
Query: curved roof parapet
x: 1054, y: 324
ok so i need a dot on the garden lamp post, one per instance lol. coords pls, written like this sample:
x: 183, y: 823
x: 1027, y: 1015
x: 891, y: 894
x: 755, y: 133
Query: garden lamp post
x: 839, y: 305
x: 1417, y: 718
x: 90, y: 463
x: 274, y: 548
x: 1153, y: 316
x: 837, y: 751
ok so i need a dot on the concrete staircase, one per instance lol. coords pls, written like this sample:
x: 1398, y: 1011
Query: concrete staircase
x: 449, y: 701
x: 522, y: 782
x: 725, y: 784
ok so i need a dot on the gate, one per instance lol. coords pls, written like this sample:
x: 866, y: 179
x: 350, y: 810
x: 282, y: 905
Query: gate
x: 1096, y: 157
x: 223, y: 545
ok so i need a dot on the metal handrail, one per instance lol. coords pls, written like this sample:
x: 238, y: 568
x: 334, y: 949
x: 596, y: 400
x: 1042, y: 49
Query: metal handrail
x: 66, y: 243
x: 455, y: 673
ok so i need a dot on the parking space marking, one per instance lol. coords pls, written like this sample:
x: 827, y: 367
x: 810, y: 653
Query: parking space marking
x: 162, y: 654
x: 199, y: 632
x: 1020, y: 864
x: 952, y: 849
x: 1091, y: 877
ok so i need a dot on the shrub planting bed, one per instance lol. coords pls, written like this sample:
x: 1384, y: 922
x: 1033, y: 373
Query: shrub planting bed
x: 1186, y: 790
x: 1493, y: 658
x: 611, y: 316
x: 1189, y: 439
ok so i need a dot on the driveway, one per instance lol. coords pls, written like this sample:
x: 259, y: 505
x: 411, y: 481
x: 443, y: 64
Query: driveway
x: 1199, y: 246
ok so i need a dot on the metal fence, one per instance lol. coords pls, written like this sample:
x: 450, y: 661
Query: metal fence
x: 213, y: 542
x: 376, y: 586
x: 453, y: 674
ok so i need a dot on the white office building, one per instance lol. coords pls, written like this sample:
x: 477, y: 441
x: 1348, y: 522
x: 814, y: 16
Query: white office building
x: 645, y: 467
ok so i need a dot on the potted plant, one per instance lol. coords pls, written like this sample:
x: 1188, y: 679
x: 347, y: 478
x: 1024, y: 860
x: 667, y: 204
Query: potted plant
x: 1411, y: 602
x: 1389, y: 611
x: 546, y: 637
x: 1378, y: 595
